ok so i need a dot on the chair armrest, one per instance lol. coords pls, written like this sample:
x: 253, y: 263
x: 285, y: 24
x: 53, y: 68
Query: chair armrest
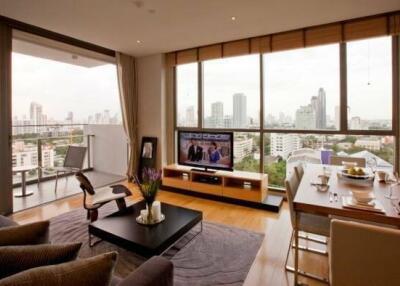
x: 155, y: 271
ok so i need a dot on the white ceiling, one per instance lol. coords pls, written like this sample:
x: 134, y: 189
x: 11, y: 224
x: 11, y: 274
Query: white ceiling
x: 167, y: 25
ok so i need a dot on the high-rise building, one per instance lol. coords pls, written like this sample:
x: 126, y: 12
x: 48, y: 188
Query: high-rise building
x: 190, y: 117
x: 217, y: 115
x: 106, y: 116
x: 318, y: 103
x: 228, y: 121
x: 239, y: 110
x: 305, y: 117
x: 321, y: 111
x: 36, y: 116
x: 355, y: 123
x: 284, y: 144
x: 337, y: 117
x: 70, y: 117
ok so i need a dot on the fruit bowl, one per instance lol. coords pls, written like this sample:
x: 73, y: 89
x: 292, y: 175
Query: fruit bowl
x: 356, y: 173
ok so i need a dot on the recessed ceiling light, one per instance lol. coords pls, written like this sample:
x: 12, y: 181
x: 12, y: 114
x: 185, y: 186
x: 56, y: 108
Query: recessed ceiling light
x: 139, y: 41
x: 233, y: 18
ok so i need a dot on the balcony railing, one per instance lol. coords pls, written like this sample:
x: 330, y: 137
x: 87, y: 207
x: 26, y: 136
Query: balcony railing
x: 45, y: 146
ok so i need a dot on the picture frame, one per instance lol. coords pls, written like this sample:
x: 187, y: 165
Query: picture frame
x: 147, y: 155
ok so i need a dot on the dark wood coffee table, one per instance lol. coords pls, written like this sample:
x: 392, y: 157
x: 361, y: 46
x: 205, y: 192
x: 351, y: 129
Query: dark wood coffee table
x: 121, y: 228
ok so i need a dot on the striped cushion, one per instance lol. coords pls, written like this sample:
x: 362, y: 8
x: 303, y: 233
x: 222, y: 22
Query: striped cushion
x: 14, y: 259
x: 82, y: 272
x: 27, y: 234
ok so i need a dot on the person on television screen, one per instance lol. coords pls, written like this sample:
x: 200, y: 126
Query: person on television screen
x: 214, y: 154
x: 195, y: 152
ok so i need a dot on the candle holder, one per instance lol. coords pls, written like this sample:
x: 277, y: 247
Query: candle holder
x: 144, y: 220
x: 149, y: 188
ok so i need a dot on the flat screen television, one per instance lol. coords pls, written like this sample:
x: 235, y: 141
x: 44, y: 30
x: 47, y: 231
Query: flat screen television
x: 208, y: 150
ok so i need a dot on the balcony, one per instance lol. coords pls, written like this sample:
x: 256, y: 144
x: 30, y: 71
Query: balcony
x: 45, y: 146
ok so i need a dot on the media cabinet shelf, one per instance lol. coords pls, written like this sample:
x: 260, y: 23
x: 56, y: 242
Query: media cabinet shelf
x: 244, y: 186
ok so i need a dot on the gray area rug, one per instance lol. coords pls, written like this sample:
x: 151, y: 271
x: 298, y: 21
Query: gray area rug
x: 219, y: 255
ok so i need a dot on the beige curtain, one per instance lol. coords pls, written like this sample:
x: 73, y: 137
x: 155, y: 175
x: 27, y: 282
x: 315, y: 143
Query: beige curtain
x: 128, y: 94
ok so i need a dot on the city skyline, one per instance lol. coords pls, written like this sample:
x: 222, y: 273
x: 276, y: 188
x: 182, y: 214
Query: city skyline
x: 38, y: 116
x: 62, y: 87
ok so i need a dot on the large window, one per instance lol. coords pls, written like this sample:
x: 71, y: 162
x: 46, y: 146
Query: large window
x: 302, y: 88
x: 186, y: 90
x: 232, y: 92
x: 378, y: 151
x: 304, y: 93
x: 56, y: 94
x: 369, y: 84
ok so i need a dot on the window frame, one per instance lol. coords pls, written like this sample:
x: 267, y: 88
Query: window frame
x: 343, y: 130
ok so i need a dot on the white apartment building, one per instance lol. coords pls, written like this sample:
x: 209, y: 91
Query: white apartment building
x: 373, y: 144
x: 284, y: 144
x: 306, y: 117
x: 242, y: 147
x: 26, y: 155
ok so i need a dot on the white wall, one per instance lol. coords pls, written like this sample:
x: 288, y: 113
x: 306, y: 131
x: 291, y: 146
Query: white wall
x: 109, y: 149
x: 151, y: 90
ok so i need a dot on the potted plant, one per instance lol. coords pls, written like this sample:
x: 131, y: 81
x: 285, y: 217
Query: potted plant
x: 151, y: 181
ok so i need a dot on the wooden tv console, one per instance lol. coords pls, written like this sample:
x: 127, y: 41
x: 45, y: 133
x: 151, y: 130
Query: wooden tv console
x: 238, y: 185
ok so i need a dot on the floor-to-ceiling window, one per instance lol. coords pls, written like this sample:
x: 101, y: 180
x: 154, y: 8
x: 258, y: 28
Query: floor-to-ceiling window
x: 334, y: 98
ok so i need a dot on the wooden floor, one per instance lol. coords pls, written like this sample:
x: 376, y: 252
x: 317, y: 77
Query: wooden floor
x: 268, y: 267
x: 67, y: 186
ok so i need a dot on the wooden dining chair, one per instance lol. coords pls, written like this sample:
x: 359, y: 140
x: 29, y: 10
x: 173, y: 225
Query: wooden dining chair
x: 363, y: 254
x: 338, y: 160
x: 299, y: 171
x: 308, y: 224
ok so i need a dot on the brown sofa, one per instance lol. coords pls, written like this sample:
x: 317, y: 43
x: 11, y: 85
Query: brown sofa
x: 157, y: 271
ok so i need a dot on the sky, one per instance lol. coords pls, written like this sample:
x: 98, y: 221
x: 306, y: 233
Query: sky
x: 62, y: 87
x: 291, y: 78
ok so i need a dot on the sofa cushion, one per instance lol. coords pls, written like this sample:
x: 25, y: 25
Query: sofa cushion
x: 27, y: 234
x: 155, y: 271
x: 82, y: 272
x: 15, y: 259
x: 5, y: 221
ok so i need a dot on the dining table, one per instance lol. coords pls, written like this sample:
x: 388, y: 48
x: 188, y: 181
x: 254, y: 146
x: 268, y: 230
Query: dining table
x: 310, y: 199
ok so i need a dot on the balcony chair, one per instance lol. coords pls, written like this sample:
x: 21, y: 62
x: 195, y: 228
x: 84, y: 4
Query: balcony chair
x: 338, y: 160
x: 73, y: 162
x: 93, y: 198
x: 308, y: 224
x: 363, y: 254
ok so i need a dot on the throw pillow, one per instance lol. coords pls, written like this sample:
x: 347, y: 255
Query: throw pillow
x: 5, y: 221
x: 82, y: 272
x: 14, y: 259
x: 32, y: 233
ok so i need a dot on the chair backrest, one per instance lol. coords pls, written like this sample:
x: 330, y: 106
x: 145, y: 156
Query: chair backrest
x: 291, y: 185
x: 338, y: 160
x: 299, y: 171
x: 75, y: 157
x: 363, y: 254
x: 85, y: 184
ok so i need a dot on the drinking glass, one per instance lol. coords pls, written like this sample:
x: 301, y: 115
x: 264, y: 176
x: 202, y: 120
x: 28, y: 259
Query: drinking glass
x: 393, y: 185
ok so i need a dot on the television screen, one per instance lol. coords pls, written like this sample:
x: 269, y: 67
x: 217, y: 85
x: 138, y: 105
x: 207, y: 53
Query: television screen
x: 212, y: 150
